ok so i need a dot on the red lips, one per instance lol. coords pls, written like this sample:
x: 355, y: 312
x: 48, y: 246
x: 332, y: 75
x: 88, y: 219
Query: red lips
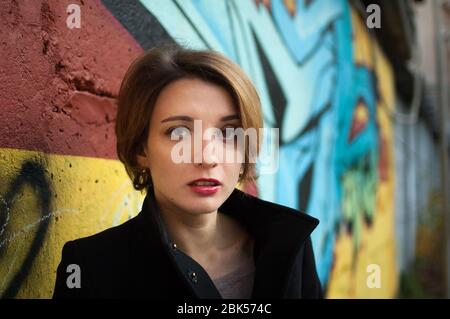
x: 211, y: 180
x: 205, y: 190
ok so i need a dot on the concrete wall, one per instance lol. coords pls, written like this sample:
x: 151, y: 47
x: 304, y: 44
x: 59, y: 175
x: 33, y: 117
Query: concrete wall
x: 59, y: 177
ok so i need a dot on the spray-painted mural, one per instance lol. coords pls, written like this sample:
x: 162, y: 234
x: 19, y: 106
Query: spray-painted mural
x: 323, y: 82
x: 59, y: 177
x: 314, y: 65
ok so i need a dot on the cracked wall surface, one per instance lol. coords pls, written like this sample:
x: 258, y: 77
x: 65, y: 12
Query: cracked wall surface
x: 59, y: 174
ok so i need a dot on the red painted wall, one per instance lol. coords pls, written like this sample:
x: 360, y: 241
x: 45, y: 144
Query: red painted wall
x: 57, y: 84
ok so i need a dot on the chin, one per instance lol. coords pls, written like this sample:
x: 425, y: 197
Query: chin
x: 203, y: 205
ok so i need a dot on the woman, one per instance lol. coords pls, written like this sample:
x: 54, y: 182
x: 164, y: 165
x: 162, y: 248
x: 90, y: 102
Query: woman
x: 197, y: 236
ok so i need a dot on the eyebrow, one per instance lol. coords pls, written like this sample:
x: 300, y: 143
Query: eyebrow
x: 190, y: 119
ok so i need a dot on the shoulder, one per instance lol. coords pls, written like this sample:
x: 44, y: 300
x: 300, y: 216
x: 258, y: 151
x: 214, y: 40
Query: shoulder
x: 109, y: 241
x: 95, y: 260
x: 106, y: 238
x: 272, y: 209
x: 286, y: 210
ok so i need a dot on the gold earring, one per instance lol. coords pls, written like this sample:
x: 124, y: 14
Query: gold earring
x: 143, y: 178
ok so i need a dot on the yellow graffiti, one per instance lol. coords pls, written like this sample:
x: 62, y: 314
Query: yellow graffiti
x: 85, y: 196
x: 377, y: 242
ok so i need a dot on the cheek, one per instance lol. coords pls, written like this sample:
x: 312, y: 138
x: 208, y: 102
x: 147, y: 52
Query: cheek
x: 159, y: 149
x: 232, y: 170
x: 238, y: 153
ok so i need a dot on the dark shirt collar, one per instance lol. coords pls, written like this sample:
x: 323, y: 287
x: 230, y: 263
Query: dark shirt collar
x: 279, y: 233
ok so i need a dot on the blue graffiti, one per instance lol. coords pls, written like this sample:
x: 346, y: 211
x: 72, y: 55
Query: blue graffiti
x: 303, y: 67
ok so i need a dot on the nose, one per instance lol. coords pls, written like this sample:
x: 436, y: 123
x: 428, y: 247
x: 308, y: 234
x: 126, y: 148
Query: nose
x: 206, y: 152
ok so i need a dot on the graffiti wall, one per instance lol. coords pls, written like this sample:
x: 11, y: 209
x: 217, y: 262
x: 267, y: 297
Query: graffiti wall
x: 322, y: 79
x: 365, y: 236
x: 59, y: 177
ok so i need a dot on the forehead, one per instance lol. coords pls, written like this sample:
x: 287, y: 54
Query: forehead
x: 195, y: 98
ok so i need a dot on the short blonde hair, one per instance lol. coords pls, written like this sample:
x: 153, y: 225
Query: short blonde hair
x: 150, y: 73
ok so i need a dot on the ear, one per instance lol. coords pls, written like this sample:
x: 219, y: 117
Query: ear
x: 142, y: 158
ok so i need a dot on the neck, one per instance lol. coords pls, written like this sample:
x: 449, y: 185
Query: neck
x: 198, y: 235
x: 193, y: 233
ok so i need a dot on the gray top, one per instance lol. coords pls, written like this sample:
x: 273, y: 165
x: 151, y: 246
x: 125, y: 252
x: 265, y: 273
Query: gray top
x: 237, y: 284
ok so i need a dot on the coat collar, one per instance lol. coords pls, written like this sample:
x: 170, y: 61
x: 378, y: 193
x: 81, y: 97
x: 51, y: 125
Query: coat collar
x: 279, y: 233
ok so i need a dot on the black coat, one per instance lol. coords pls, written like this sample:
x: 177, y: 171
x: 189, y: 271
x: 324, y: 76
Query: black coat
x: 136, y: 259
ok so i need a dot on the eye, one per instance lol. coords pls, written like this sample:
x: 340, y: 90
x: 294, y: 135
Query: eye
x: 229, y: 133
x: 178, y: 131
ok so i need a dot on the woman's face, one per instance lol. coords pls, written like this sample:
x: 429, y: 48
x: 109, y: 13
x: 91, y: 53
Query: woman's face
x: 177, y: 106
